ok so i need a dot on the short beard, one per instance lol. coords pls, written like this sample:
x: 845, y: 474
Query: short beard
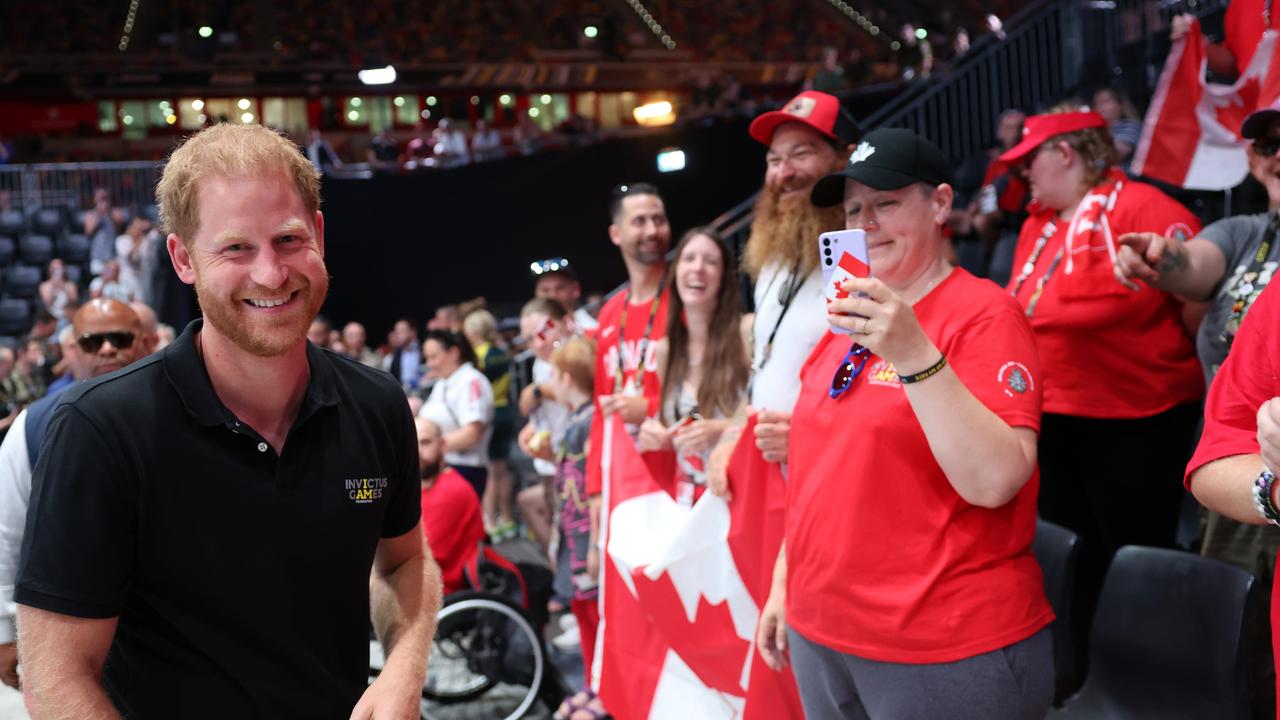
x: 785, y: 232
x: 275, y: 341
x: 429, y: 473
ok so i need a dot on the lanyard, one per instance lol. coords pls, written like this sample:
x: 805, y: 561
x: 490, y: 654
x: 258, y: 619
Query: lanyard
x: 1030, y: 265
x: 789, y: 293
x: 1244, y: 289
x: 642, y: 346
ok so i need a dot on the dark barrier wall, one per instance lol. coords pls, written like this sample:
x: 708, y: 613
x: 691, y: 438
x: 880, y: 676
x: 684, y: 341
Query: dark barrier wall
x: 404, y: 245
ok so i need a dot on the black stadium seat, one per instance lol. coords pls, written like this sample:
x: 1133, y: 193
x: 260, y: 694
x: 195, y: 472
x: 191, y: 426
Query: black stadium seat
x: 1170, y: 640
x: 1057, y: 550
x: 12, y: 224
x: 15, y: 317
x: 49, y: 221
x: 8, y: 251
x: 74, y: 249
x: 22, y: 281
x: 74, y: 273
x: 35, y: 250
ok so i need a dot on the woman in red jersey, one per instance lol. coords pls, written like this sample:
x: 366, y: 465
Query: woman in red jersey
x: 906, y: 586
x: 1121, y: 379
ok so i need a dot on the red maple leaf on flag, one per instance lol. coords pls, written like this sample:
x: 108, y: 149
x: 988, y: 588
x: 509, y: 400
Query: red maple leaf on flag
x: 703, y: 644
x: 1232, y: 115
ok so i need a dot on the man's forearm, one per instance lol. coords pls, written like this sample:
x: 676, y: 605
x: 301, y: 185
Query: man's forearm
x: 62, y: 667
x: 404, y: 605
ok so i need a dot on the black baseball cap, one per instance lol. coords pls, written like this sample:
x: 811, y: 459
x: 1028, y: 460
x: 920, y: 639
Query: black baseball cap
x: 886, y: 159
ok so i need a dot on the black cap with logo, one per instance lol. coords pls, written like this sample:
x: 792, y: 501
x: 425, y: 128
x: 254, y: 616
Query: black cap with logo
x: 886, y: 159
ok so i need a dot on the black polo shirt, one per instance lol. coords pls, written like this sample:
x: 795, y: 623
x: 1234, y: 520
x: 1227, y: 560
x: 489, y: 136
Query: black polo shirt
x: 240, y: 578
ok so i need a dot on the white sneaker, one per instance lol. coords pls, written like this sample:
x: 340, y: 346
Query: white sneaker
x: 568, y: 621
x: 570, y: 639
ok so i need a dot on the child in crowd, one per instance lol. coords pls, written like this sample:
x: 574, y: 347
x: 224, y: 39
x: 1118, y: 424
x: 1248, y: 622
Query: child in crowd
x: 576, y: 554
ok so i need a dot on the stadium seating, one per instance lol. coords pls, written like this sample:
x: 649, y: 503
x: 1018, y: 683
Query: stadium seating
x: 73, y: 249
x: 22, y: 281
x: 1170, y: 640
x: 1057, y: 549
x: 35, y: 250
x: 15, y: 316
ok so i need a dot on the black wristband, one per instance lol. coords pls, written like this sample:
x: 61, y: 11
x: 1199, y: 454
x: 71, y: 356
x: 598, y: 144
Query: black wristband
x: 932, y: 370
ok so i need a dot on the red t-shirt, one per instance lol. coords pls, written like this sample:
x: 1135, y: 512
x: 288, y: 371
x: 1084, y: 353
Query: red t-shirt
x: 1108, y: 351
x: 607, y: 350
x: 884, y: 559
x: 1242, y: 29
x: 453, y: 524
x: 1249, y: 377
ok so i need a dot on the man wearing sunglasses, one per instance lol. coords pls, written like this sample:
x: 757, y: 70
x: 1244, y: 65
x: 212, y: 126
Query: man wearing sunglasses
x: 1228, y: 264
x: 106, y: 334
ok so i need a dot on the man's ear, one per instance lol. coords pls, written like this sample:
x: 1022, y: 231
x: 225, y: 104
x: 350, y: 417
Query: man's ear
x: 320, y: 232
x: 613, y: 234
x: 181, y: 259
x: 943, y: 198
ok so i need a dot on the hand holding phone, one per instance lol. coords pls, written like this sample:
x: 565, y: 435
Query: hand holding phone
x: 843, y: 255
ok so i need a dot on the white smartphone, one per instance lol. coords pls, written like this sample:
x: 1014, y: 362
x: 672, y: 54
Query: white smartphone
x: 843, y: 254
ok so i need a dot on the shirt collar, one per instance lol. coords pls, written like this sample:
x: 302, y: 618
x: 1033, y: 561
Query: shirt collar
x: 186, y: 372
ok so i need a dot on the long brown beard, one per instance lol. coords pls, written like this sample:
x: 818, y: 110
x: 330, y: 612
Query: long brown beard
x: 786, y: 232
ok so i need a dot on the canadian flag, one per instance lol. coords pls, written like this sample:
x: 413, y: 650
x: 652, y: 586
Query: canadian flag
x: 1191, y: 136
x: 678, y: 618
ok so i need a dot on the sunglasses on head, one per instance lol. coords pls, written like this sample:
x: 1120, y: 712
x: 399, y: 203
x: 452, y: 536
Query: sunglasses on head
x: 1266, y: 146
x: 542, y: 267
x: 92, y: 342
x: 850, y: 368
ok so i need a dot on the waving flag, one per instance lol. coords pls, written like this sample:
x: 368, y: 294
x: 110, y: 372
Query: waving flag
x: 1191, y: 136
x: 678, y: 616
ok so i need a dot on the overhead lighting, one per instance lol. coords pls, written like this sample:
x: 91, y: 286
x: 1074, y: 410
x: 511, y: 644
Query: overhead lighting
x: 546, y: 99
x: 353, y: 115
x: 243, y: 104
x: 426, y: 114
x: 127, y: 119
x: 246, y: 118
x: 590, y: 31
x: 655, y: 114
x: 921, y: 33
x: 399, y: 101
x: 534, y: 112
x: 670, y: 160
x: 206, y: 31
x: 378, y: 76
x: 197, y: 105
x: 431, y: 100
x: 475, y: 99
x: 504, y: 99
x: 201, y: 118
x: 355, y: 102
x: 171, y: 119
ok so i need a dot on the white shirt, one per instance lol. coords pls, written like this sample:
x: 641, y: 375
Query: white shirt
x: 584, y: 320
x: 461, y: 399
x: 776, y: 385
x: 548, y: 415
x: 15, y: 495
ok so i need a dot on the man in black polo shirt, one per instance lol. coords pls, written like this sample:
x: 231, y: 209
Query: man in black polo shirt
x: 205, y: 521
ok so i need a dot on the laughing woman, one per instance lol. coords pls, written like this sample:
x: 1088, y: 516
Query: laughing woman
x: 703, y: 360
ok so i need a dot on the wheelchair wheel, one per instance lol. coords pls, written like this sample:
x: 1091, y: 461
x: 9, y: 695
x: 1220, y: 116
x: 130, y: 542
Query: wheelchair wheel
x: 485, y: 650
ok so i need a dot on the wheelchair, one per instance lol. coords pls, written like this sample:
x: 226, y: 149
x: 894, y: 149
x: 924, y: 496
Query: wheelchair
x: 488, y: 657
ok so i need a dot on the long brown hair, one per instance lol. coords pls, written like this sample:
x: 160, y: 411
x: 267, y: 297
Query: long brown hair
x: 724, y: 360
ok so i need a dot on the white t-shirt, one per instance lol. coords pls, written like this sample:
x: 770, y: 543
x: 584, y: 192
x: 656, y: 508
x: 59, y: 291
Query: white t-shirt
x: 460, y: 399
x: 549, y: 415
x: 776, y: 385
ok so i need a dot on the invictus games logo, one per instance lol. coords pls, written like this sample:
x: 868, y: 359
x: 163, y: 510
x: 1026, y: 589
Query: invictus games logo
x: 363, y: 491
x: 1016, y: 378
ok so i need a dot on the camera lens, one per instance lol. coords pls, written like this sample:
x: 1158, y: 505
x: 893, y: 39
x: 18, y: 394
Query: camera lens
x: 826, y: 241
x: 827, y: 252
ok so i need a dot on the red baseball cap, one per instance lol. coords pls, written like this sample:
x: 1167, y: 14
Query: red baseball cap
x: 1039, y: 128
x: 818, y: 110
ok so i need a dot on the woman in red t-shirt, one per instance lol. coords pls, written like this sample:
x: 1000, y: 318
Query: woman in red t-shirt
x: 906, y: 586
x: 1121, y: 379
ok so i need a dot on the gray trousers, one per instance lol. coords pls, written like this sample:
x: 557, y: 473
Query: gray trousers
x: 1012, y: 683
